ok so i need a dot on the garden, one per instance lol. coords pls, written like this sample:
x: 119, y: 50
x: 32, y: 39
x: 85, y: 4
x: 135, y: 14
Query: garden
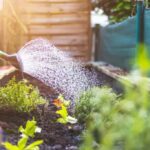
x: 52, y: 98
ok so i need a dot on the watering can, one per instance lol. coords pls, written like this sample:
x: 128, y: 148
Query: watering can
x: 12, y: 59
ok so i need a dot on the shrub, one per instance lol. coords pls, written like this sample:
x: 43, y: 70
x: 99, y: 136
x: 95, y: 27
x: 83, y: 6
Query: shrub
x: 126, y: 123
x: 20, y: 96
x: 94, y: 100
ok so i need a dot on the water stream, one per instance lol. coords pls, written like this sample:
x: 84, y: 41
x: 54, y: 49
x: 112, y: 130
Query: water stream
x: 42, y: 60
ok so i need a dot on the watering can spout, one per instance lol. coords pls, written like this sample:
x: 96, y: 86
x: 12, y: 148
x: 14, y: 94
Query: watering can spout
x: 12, y: 59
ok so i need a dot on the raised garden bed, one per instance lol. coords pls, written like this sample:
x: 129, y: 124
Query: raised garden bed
x: 55, y: 135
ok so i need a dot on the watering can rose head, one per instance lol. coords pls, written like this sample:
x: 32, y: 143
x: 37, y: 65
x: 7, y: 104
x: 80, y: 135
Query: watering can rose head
x: 12, y: 59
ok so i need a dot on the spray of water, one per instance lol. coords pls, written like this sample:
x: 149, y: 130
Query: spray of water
x: 55, y: 68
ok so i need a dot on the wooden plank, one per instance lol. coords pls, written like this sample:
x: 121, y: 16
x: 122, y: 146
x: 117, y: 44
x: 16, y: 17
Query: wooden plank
x: 57, y: 1
x: 76, y: 53
x: 59, y: 30
x: 110, y: 70
x: 54, y: 8
x: 74, y: 27
x: 79, y: 48
x: 66, y: 40
x: 67, y: 46
x: 6, y: 70
x: 46, y: 32
x: 53, y: 14
x: 81, y: 58
x: 57, y: 19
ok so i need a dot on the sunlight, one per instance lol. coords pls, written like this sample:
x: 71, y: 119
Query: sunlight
x: 99, y: 18
x: 1, y: 4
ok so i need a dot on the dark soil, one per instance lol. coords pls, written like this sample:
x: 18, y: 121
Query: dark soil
x: 56, y: 136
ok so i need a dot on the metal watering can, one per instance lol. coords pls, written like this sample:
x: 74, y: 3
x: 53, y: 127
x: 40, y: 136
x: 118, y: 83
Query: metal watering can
x: 12, y: 59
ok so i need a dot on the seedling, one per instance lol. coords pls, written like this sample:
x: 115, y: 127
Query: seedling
x: 64, y: 117
x: 26, y: 133
x: 63, y: 104
x: 61, y: 101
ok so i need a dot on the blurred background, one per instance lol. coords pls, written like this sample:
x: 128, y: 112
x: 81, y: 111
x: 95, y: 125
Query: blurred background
x: 69, y: 24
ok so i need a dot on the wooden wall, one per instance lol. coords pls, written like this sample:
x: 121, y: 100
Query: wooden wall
x: 14, y: 28
x: 66, y: 23
x: 1, y: 29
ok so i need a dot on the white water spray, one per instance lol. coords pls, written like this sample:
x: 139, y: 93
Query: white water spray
x: 55, y: 68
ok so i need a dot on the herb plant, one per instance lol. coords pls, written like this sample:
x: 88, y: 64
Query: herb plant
x: 26, y: 133
x: 125, y: 124
x: 20, y: 96
x: 92, y: 100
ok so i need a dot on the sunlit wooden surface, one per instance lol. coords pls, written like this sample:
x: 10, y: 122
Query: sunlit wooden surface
x: 66, y: 23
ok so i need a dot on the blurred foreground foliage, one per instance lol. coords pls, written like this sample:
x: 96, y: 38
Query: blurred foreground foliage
x: 122, y: 123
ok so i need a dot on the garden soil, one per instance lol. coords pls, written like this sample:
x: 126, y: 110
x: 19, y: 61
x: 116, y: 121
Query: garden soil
x: 56, y: 136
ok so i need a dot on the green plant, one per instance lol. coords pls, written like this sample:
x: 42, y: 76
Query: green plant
x: 61, y: 101
x: 63, y: 104
x: 116, y: 10
x: 120, y: 11
x: 20, y: 96
x: 64, y: 116
x: 92, y: 100
x: 27, y: 132
x: 126, y: 124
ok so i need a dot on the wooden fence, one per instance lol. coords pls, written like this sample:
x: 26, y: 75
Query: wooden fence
x: 66, y: 23
x: 1, y: 39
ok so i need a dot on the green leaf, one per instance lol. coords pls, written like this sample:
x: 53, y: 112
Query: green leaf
x: 65, y: 102
x: 62, y: 120
x: 29, y: 129
x: 10, y: 146
x: 63, y: 112
x: 34, y: 145
x: 22, y: 142
x: 65, y: 118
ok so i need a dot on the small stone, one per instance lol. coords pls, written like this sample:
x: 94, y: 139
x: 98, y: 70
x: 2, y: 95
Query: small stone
x: 57, y: 147
x: 77, y: 129
x: 4, y: 124
x: 45, y: 147
x: 48, y: 148
x: 71, y: 148
x: 77, y: 139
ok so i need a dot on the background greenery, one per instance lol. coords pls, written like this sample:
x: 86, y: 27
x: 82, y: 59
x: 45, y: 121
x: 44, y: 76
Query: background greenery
x: 117, y: 10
